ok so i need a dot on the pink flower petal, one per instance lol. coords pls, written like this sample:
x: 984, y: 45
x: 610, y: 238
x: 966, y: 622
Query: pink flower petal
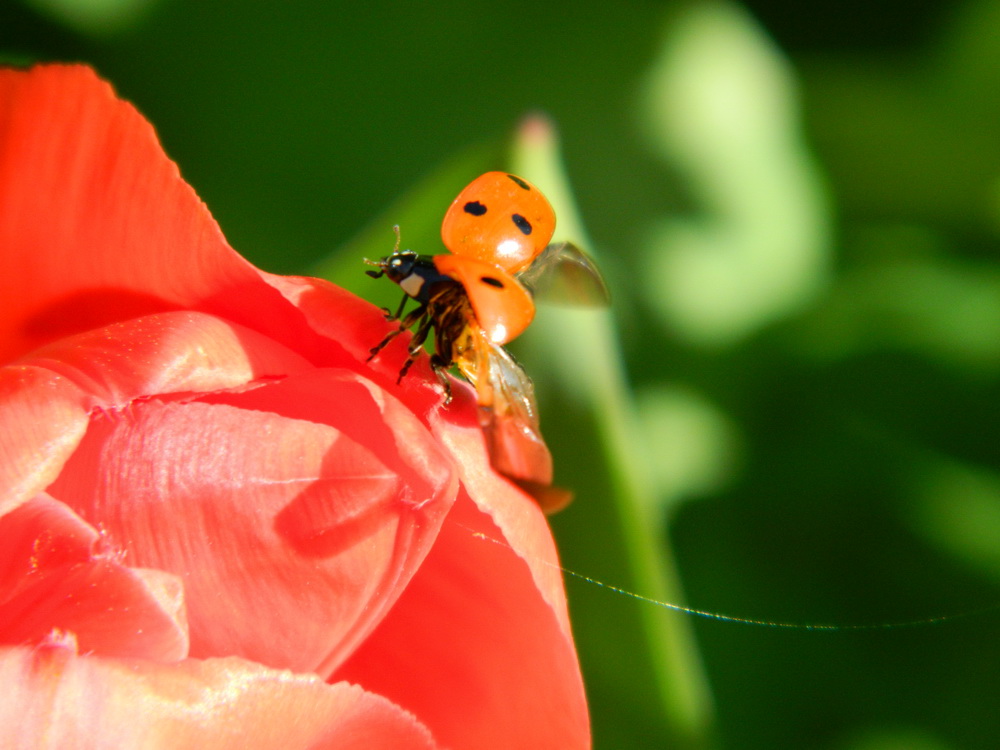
x: 295, y: 512
x: 97, y: 226
x: 519, y: 518
x: 45, y: 400
x: 326, y: 307
x: 165, y: 353
x: 212, y: 421
x: 53, y: 698
x: 56, y: 573
x: 474, y: 650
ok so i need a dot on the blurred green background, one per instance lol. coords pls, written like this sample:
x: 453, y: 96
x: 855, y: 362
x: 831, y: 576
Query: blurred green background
x: 789, y: 414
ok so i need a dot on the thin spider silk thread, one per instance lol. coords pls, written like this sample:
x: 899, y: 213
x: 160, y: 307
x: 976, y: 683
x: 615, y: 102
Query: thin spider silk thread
x: 720, y: 617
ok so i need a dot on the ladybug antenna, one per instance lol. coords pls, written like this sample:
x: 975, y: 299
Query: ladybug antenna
x: 381, y: 263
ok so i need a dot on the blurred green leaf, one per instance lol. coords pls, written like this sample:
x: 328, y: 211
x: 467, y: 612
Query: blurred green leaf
x: 577, y: 352
x: 958, y: 509
x: 941, y: 308
x: 690, y: 445
x: 912, y: 136
x: 897, y: 738
x: 418, y: 213
x: 721, y: 108
x: 96, y: 17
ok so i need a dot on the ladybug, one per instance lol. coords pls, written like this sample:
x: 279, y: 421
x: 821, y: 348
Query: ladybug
x: 479, y: 297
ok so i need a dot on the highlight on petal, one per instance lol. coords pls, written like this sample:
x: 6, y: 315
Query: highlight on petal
x: 167, y: 353
x: 43, y: 421
x: 54, y: 698
x: 46, y: 399
x: 57, y: 574
x: 295, y: 512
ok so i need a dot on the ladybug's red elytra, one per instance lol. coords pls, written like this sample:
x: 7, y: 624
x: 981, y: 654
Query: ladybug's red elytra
x: 478, y: 298
x: 501, y: 219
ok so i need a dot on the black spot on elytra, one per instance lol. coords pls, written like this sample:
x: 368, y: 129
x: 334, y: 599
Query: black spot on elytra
x: 521, y: 223
x: 520, y: 183
x: 491, y: 281
x: 475, y: 208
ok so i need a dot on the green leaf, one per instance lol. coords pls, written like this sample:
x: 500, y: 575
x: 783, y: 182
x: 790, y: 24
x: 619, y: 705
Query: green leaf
x: 576, y: 353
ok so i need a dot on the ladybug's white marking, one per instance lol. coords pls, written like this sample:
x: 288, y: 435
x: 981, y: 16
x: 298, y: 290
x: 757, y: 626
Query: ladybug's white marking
x: 412, y: 284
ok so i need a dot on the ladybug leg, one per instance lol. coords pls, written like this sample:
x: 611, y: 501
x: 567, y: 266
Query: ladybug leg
x: 390, y: 315
x: 440, y: 368
x: 416, y: 345
x: 373, y: 352
x: 399, y: 310
x: 420, y: 335
x: 407, y: 322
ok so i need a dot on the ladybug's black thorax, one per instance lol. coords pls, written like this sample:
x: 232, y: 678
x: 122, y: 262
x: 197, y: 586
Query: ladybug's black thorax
x: 443, y: 306
x: 445, y: 300
x: 416, y: 275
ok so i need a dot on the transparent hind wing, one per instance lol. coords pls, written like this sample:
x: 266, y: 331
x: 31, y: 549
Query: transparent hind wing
x: 564, y: 274
x: 507, y: 412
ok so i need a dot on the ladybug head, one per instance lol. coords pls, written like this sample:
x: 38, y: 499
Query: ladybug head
x: 397, y: 266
